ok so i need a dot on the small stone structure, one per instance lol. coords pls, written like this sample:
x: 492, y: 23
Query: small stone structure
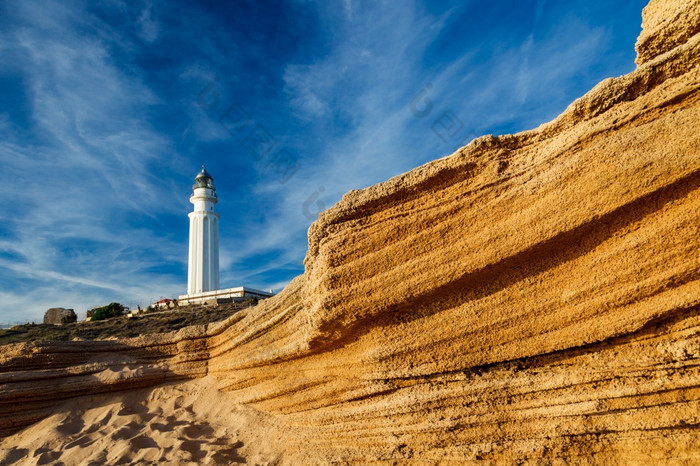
x: 59, y: 316
x: 165, y: 304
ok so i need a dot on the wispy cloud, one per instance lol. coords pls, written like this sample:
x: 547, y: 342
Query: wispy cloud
x: 87, y: 172
x: 103, y: 129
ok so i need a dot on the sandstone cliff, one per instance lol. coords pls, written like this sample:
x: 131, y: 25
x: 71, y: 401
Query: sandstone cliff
x: 530, y: 296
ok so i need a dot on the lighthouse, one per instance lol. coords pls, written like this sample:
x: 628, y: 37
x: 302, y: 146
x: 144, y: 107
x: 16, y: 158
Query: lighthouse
x: 203, y: 265
x: 203, y: 269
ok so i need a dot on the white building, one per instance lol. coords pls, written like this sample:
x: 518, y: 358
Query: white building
x: 228, y: 295
x: 203, y: 264
x: 203, y: 269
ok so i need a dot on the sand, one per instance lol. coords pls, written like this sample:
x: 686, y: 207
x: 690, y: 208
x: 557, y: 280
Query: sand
x: 176, y: 423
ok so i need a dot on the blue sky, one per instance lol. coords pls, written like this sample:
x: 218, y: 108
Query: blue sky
x: 109, y: 108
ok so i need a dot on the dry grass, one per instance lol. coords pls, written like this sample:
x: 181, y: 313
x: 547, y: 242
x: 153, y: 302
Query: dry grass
x: 123, y: 327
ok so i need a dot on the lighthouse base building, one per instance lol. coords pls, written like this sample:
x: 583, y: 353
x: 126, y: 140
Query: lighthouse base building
x: 229, y: 295
x: 203, y: 259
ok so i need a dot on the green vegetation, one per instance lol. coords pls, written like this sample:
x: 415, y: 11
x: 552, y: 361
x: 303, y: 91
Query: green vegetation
x: 107, y: 312
x: 122, y: 326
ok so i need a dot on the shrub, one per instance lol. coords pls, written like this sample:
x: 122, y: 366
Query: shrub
x: 69, y: 319
x: 107, y: 312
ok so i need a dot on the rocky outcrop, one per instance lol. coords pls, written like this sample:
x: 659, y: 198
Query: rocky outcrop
x: 666, y: 24
x: 59, y: 316
x: 531, y: 295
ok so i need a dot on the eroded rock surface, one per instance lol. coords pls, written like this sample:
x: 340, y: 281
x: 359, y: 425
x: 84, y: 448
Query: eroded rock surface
x: 666, y: 24
x: 59, y: 315
x: 532, y: 295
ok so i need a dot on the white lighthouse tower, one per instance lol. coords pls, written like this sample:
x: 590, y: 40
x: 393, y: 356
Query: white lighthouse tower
x: 203, y: 271
x: 203, y: 266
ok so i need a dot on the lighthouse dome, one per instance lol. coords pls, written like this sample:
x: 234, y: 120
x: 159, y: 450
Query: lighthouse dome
x: 203, y: 180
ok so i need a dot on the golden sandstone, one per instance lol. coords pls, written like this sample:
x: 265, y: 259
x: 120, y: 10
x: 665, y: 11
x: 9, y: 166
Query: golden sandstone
x: 531, y: 297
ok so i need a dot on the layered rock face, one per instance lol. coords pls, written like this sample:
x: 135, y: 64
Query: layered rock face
x: 34, y: 378
x: 530, y: 296
x: 666, y: 24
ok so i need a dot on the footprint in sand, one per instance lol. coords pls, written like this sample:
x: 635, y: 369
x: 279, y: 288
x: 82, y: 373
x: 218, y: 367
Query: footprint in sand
x: 159, y: 427
x: 229, y: 455
x: 47, y: 456
x: 13, y: 455
x: 195, y: 431
x: 174, y: 422
x: 141, y: 442
x: 132, y: 409
x: 194, y: 448
x: 81, y: 442
x: 72, y: 425
x: 128, y: 431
